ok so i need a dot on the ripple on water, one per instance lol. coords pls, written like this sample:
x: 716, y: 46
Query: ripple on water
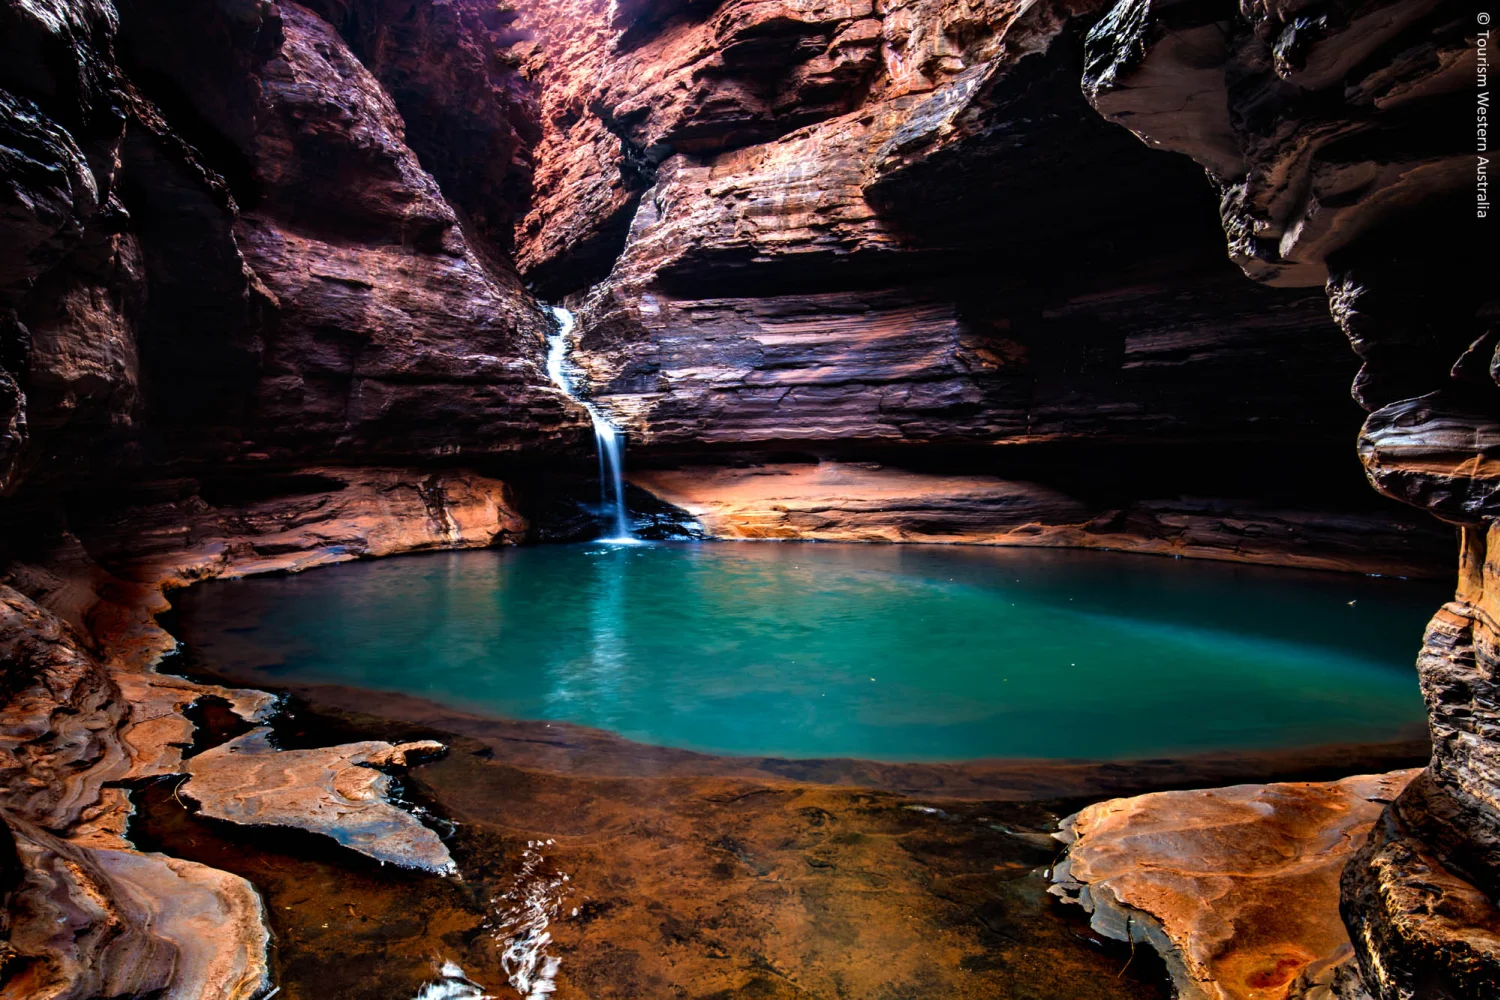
x: 454, y: 984
x: 522, y: 914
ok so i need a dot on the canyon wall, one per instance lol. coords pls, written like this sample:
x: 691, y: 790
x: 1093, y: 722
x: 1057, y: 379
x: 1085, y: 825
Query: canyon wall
x: 243, y: 328
x: 895, y: 270
x: 1347, y: 163
x: 225, y: 253
x: 898, y: 233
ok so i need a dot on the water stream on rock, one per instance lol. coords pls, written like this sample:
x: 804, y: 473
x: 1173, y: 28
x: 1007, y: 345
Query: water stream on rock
x: 607, y: 438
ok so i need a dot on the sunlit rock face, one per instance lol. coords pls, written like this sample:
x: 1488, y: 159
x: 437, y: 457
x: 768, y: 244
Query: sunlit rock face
x: 268, y: 282
x: 1234, y: 886
x: 908, y: 228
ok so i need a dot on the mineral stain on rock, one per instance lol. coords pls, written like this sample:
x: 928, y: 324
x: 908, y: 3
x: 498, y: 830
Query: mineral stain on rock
x: 589, y: 885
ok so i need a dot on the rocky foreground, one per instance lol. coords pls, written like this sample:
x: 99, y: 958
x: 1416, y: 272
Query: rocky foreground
x: 269, y: 283
x: 1237, y: 888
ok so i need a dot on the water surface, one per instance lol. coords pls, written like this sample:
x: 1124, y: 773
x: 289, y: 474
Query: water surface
x: 904, y: 653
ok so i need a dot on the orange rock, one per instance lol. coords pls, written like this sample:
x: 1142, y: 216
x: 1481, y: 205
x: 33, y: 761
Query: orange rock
x: 866, y: 502
x: 334, y: 791
x: 1237, y: 888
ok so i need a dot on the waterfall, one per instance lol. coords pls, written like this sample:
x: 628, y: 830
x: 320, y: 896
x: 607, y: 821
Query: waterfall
x: 609, y: 442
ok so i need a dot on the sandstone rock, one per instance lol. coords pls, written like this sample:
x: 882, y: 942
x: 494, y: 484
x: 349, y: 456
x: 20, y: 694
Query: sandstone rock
x: 1426, y: 930
x: 1300, y: 179
x: 1436, y: 453
x: 405, y: 343
x: 613, y: 111
x: 830, y: 226
x: 62, y: 715
x: 844, y: 502
x: 84, y: 710
x: 866, y: 502
x: 313, y: 517
x: 379, y: 351
x: 267, y: 109
x: 101, y: 922
x: 838, y: 284
x: 1236, y: 887
x: 585, y: 189
x: 470, y: 115
x: 829, y: 367
x: 323, y: 122
x: 48, y: 192
x: 1339, y: 119
x: 334, y: 791
x: 86, y: 915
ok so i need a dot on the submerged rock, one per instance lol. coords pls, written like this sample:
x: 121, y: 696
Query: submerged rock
x: 335, y: 791
x: 1237, y: 888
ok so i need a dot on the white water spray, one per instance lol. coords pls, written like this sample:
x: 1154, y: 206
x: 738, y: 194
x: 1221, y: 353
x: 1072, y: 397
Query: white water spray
x: 607, y: 438
x: 520, y: 916
x: 453, y: 984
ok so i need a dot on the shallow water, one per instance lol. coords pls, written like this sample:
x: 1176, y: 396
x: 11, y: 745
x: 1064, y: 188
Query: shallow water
x: 911, y: 653
x: 703, y: 887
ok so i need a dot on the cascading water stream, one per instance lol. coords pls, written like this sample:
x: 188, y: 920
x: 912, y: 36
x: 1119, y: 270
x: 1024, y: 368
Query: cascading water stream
x: 607, y: 439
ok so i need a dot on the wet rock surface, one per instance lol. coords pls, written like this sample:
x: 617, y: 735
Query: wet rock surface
x: 87, y: 915
x: 1237, y: 888
x: 339, y: 791
x: 700, y: 874
x: 869, y: 502
x: 86, y: 715
x: 916, y: 261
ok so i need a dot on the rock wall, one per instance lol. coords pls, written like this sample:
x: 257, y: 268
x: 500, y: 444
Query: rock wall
x: 242, y: 329
x: 900, y: 232
x: 1343, y: 161
x: 225, y: 251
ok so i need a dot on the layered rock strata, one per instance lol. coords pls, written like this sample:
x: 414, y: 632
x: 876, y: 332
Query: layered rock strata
x: 880, y: 275
x: 86, y: 915
x: 856, y: 231
x: 258, y: 311
x: 235, y: 169
x: 229, y: 291
x: 86, y: 713
x: 1339, y: 163
x: 869, y: 502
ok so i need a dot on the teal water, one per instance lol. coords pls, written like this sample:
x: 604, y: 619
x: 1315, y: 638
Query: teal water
x: 881, y: 652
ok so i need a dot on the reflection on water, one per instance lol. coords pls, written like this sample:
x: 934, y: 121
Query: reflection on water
x: 701, y: 887
x: 875, y: 652
x: 594, y: 868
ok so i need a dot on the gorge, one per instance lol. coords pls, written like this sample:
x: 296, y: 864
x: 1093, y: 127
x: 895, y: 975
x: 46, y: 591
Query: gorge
x: 285, y: 284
